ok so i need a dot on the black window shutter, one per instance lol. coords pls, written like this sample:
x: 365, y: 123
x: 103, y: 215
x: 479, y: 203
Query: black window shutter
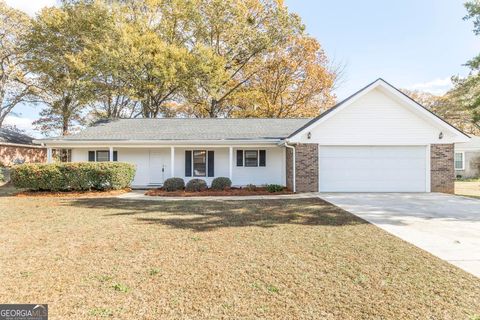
x: 91, y: 155
x: 188, y: 163
x: 211, y: 163
x: 239, y: 158
x: 262, y: 161
x: 115, y: 156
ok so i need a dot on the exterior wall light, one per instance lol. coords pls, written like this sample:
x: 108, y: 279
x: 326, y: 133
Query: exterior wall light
x: 309, y: 135
x: 440, y: 136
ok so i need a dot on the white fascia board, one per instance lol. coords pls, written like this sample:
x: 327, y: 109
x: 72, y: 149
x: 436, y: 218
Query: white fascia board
x: 158, y: 143
x: 350, y: 100
x: 8, y: 144
x: 460, y: 136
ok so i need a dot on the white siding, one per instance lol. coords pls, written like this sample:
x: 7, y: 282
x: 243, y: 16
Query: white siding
x: 376, y: 119
x: 273, y: 172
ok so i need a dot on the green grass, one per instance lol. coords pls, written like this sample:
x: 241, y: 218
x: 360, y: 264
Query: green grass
x: 129, y: 259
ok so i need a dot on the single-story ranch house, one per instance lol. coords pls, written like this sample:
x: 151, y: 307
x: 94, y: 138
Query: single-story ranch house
x: 377, y: 140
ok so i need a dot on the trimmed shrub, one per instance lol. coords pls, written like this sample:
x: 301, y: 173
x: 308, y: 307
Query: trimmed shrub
x: 221, y: 183
x: 196, y: 185
x: 274, y: 188
x: 174, y: 184
x: 73, y: 176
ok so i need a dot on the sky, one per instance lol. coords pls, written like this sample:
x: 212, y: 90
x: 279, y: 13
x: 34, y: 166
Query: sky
x: 413, y: 44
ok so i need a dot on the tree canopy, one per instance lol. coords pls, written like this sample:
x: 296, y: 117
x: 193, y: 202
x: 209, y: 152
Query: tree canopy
x: 16, y: 85
x: 96, y: 59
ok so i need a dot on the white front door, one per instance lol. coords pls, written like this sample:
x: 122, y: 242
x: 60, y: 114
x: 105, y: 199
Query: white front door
x: 373, y: 169
x: 158, y: 166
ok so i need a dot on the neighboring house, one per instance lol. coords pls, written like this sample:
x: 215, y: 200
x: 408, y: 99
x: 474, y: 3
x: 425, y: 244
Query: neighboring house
x: 16, y: 148
x: 467, y: 159
x: 377, y: 140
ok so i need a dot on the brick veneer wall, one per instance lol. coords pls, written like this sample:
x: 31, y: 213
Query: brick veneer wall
x: 306, y: 165
x: 442, y: 168
x: 8, y: 154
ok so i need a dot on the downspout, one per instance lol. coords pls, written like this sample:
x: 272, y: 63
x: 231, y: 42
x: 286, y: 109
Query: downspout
x: 293, y: 165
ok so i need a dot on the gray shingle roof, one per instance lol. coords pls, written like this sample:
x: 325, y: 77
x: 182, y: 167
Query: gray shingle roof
x: 189, y: 129
x: 9, y: 136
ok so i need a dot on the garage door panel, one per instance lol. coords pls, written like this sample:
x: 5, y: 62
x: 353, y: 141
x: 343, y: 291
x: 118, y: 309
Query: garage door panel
x: 372, y: 169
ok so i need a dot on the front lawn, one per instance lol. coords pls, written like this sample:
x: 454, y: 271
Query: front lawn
x: 275, y: 259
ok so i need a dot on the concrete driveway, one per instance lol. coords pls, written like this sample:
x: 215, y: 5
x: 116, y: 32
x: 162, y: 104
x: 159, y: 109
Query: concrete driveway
x: 447, y: 226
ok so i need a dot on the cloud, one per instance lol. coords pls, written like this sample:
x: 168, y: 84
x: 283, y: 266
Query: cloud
x: 436, y: 86
x: 22, y: 123
x: 30, y: 6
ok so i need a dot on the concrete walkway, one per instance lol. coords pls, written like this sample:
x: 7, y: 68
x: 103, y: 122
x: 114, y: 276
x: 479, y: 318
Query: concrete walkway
x: 447, y: 226
x: 140, y: 195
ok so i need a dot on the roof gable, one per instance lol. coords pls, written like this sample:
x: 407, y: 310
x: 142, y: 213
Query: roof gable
x: 392, y: 93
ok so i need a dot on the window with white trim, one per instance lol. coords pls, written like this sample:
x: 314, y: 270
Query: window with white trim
x: 251, y: 158
x: 199, y: 163
x: 459, y: 161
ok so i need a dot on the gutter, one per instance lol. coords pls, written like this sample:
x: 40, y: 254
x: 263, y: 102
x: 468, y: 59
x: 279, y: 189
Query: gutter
x: 293, y: 164
x: 31, y: 146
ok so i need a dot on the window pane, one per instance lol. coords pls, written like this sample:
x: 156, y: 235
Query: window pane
x: 459, y: 161
x: 103, y: 156
x: 251, y: 158
x: 199, y: 163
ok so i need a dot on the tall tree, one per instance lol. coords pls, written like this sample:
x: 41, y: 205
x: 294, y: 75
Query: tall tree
x: 466, y: 93
x: 141, y: 67
x: 233, y: 37
x: 16, y: 85
x: 293, y: 81
x: 56, y: 44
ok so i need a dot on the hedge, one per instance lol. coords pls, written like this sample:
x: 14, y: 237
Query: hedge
x: 173, y: 184
x: 73, y: 176
x: 196, y: 185
x: 221, y: 183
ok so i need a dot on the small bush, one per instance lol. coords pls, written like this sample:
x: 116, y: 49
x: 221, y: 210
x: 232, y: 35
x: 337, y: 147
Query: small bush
x: 251, y: 187
x: 2, y: 178
x: 174, y: 184
x: 274, y: 188
x: 221, y: 183
x: 196, y: 185
x: 73, y: 176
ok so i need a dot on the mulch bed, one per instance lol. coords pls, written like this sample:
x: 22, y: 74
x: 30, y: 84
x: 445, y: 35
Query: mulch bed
x: 71, y: 194
x: 230, y: 192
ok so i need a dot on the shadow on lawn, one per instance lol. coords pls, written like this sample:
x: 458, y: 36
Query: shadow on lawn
x: 210, y: 215
x: 7, y: 189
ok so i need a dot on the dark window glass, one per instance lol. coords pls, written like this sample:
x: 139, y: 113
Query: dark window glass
x: 263, y: 158
x: 251, y: 158
x: 103, y: 156
x: 239, y: 158
x: 199, y: 163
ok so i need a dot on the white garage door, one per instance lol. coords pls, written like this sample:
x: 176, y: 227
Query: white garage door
x: 372, y: 169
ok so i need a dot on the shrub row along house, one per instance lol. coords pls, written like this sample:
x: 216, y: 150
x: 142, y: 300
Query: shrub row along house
x: 377, y: 140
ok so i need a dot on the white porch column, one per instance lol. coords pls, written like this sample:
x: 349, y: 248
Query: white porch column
x: 111, y: 154
x: 230, y: 163
x: 172, y: 161
x: 49, y: 155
